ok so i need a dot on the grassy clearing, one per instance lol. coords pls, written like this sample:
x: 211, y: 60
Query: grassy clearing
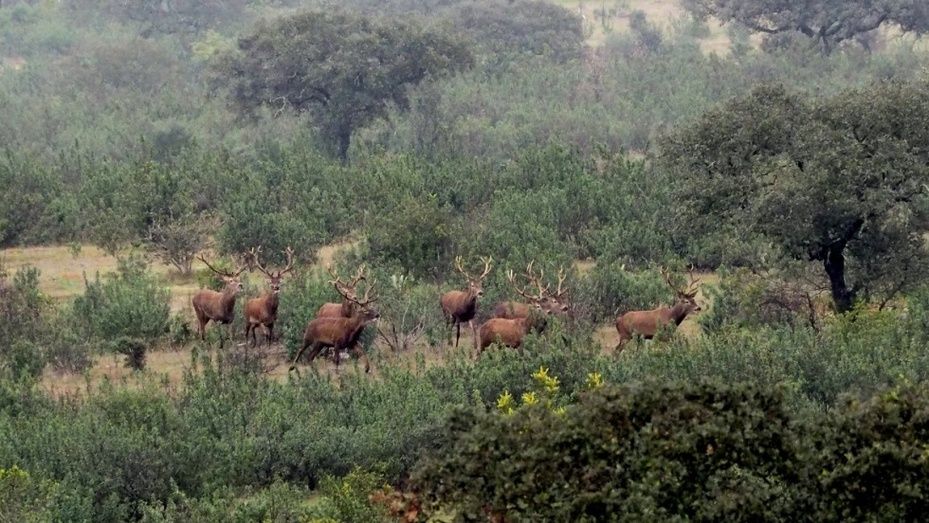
x: 659, y: 12
x: 62, y: 277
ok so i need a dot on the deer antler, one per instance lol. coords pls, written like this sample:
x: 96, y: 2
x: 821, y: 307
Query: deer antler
x: 560, y: 292
x: 254, y: 253
x: 487, y: 266
x: 511, y: 277
x: 693, y: 283
x: 226, y: 274
x: 290, y: 262
x: 460, y: 268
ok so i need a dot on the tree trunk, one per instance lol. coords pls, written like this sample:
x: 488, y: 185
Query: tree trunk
x: 345, y: 139
x: 834, y: 263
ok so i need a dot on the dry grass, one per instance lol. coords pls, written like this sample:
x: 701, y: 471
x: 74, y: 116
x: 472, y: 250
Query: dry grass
x: 661, y: 13
x: 62, y: 277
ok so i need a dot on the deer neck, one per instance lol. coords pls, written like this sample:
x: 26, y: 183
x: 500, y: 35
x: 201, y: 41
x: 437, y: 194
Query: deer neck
x: 472, y: 297
x: 273, y: 300
x: 679, y: 312
x: 227, y: 300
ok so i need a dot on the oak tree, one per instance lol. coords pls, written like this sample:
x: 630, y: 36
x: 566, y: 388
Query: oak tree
x: 839, y: 181
x: 343, y: 70
x: 828, y: 22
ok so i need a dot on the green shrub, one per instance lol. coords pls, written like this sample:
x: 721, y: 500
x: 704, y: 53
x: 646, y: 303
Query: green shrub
x: 651, y: 451
x: 746, y: 300
x: 610, y: 289
x: 130, y: 303
x: 872, y: 459
x: 25, y: 498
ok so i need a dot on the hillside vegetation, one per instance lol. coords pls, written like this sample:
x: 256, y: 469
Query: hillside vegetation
x: 685, y: 246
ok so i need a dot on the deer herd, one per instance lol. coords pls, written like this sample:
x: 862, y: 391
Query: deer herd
x: 339, y: 325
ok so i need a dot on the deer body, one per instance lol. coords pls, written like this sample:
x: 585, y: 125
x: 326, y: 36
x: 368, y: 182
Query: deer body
x: 336, y: 310
x: 263, y: 310
x: 215, y: 306
x: 218, y: 307
x: 338, y: 333
x: 510, y: 332
x: 647, y: 323
x: 544, y: 300
x: 461, y: 306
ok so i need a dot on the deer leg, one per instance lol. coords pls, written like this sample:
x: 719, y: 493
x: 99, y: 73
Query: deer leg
x: 270, y: 333
x: 360, y: 353
x: 306, y: 344
x: 457, y: 332
x: 473, y: 333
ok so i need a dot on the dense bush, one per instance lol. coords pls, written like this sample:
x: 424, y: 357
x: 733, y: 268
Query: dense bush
x: 130, y: 303
x: 699, y: 451
x: 609, y: 290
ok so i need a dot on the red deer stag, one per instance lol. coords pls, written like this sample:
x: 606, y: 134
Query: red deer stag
x: 648, y: 323
x: 461, y: 306
x: 338, y: 332
x: 552, y: 302
x: 510, y: 332
x: 217, y: 306
x: 262, y: 311
x: 346, y: 309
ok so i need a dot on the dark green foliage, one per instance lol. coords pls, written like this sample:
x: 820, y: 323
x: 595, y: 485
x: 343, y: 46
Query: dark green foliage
x: 28, y: 209
x: 703, y: 451
x: 872, y: 459
x: 341, y: 69
x: 747, y: 300
x: 503, y: 32
x: 610, y: 290
x: 129, y: 303
x: 25, y: 324
x: 829, y: 23
x: 839, y: 181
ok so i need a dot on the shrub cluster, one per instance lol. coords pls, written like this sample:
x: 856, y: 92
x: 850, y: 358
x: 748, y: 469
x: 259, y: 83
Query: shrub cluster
x: 701, y: 451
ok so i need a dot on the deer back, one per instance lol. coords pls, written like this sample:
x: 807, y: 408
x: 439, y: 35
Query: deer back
x: 461, y: 305
x: 218, y: 306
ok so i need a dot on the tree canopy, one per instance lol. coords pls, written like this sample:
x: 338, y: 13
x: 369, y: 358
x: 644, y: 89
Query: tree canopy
x: 344, y: 70
x: 530, y: 27
x: 841, y: 181
x: 829, y: 22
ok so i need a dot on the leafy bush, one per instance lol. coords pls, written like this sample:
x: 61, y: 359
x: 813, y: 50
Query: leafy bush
x: 704, y: 451
x: 24, y: 498
x: 130, y: 303
x: 746, y: 300
x: 610, y: 289
x: 24, y: 323
x: 872, y: 461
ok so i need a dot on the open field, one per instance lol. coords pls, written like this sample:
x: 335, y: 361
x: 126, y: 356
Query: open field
x: 62, y: 277
x: 662, y: 13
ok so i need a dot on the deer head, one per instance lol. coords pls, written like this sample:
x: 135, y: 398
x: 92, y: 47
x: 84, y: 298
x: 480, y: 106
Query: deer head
x: 475, y: 285
x: 231, y: 279
x: 686, y: 297
x: 274, y: 278
x: 363, y: 306
x: 534, y: 300
x: 550, y: 302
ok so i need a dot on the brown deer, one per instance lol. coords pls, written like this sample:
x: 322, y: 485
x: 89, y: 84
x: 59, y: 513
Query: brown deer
x: 510, y: 332
x: 217, y: 306
x: 648, y: 323
x: 553, y: 303
x: 461, y: 306
x: 346, y: 309
x: 338, y: 332
x: 262, y: 311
